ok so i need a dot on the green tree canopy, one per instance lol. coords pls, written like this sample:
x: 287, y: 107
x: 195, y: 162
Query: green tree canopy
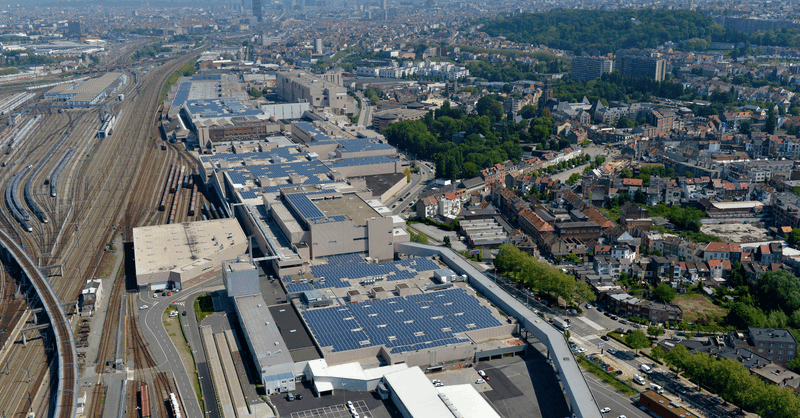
x: 665, y: 293
x: 637, y: 340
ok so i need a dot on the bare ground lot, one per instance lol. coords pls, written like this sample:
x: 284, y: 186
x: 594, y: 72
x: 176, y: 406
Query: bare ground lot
x: 695, y: 306
x: 737, y: 232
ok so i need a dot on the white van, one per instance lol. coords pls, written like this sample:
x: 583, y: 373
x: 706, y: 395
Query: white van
x: 645, y: 368
x: 638, y: 379
x: 656, y: 388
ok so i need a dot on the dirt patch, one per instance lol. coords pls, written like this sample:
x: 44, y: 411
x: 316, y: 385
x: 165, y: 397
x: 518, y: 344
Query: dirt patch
x: 697, y: 306
x: 106, y: 264
x: 737, y: 232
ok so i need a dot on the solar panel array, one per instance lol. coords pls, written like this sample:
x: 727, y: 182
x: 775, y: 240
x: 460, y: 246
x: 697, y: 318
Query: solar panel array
x: 249, y: 194
x: 343, y: 268
x: 303, y: 205
x: 403, y: 324
x: 361, y: 145
x: 352, y: 162
x: 238, y: 177
x: 298, y: 287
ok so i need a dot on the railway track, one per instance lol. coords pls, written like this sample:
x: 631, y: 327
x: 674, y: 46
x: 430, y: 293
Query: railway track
x: 93, y: 201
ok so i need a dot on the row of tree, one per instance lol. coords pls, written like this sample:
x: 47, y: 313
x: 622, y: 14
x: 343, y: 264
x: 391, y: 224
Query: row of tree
x: 734, y: 383
x: 540, y: 277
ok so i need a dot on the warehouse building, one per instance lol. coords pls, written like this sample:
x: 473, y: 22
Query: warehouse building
x: 416, y: 397
x: 88, y: 92
x: 270, y: 353
x: 185, y: 254
x: 274, y: 364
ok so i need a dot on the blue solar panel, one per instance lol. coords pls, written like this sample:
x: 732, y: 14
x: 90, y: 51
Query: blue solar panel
x: 304, y: 206
x: 298, y: 287
x: 405, y: 324
x: 353, y: 162
x: 249, y: 194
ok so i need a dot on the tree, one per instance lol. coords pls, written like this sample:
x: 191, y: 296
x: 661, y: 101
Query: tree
x: 637, y: 340
x: 655, y: 331
x: 677, y: 357
x: 771, y: 123
x: 779, y: 290
x: 572, y: 258
x: 742, y: 315
x: 624, y: 122
x: 528, y: 112
x: 657, y: 353
x: 665, y: 293
x: 574, y: 177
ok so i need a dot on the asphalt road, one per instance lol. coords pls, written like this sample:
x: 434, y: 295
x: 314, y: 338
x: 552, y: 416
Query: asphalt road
x: 418, y: 183
x: 164, y: 352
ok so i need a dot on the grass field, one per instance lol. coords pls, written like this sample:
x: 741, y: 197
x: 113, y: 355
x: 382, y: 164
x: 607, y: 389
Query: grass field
x: 696, y: 306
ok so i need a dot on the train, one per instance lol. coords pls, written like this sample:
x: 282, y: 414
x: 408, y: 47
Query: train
x: 53, y: 177
x: 37, y: 210
x: 12, y: 207
x: 144, y: 401
x: 175, y: 406
x: 193, y: 203
x: 167, y: 187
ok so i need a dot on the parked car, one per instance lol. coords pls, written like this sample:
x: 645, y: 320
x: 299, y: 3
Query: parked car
x: 184, y: 313
x: 606, y: 409
x: 289, y: 397
x: 604, y: 337
x: 480, y: 381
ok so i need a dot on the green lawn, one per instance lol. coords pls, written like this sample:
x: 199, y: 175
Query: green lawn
x: 203, y: 307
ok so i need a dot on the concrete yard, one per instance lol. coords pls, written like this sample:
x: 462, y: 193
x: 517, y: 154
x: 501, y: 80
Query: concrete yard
x: 737, y: 232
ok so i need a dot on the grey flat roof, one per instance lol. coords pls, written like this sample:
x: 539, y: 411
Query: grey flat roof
x: 263, y: 332
x: 581, y: 398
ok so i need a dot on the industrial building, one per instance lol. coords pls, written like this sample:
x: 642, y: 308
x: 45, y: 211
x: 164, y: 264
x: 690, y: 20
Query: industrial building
x: 266, y: 345
x: 325, y: 379
x: 88, y: 92
x: 217, y: 108
x: 298, y: 207
x: 180, y: 255
x: 299, y: 86
x: 415, y: 397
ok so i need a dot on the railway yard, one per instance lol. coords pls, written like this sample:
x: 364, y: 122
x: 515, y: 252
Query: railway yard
x: 67, y: 195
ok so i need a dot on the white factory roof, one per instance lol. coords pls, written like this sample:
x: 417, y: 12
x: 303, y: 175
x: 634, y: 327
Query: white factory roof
x: 467, y: 401
x: 182, y: 245
x: 347, y: 371
x: 737, y: 205
x: 418, y: 394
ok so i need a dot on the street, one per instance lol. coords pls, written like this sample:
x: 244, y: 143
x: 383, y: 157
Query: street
x: 166, y: 355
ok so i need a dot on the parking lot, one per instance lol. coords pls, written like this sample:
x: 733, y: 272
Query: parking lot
x: 330, y: 405
x: 334, y: 411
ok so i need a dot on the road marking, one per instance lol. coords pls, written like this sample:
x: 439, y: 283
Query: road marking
x: 591, y: 323
x: 579, y: 340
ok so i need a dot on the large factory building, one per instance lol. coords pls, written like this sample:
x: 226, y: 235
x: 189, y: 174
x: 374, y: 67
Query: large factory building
x: 181, y: 255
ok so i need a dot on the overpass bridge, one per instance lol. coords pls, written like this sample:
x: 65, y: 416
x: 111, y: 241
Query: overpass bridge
x: 65, y: 402
x: 580, y: 397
